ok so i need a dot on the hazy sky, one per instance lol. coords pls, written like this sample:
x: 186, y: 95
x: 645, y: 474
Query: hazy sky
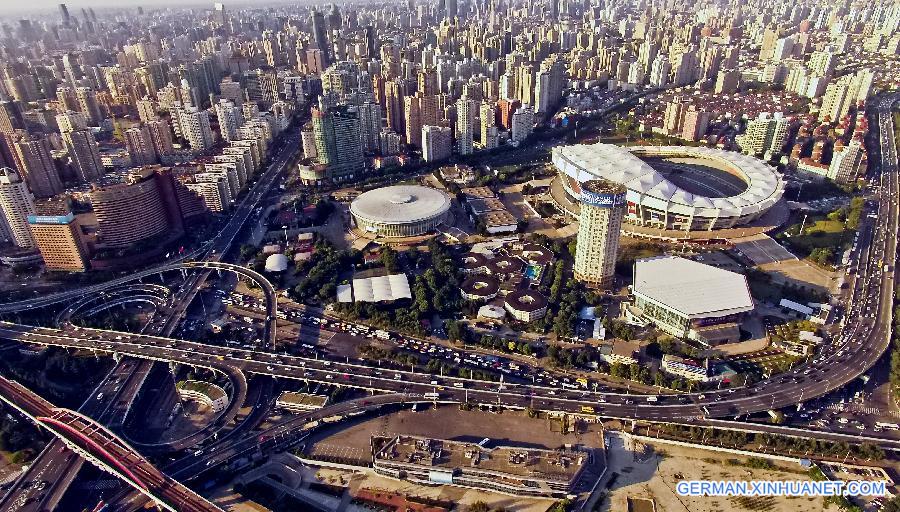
x: 19, y: 7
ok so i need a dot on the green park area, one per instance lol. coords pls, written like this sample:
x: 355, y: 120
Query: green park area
x: 822, y: 238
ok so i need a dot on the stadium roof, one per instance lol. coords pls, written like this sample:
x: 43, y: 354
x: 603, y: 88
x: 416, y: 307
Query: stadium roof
x: 693, y: 289
x: 400, y: 204
x: 382, y: 288
x: 648, y: 186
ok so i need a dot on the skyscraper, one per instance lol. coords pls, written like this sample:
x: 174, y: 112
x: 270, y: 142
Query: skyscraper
x: 139, y: 143
x: 88, y: 105
x: 337, y: 142
x: 195, y: 128
x: 465, y: 126
x: 436, y: 143
x: 161, y: 135
x: 600, y: 223
x: 57, y: 234
x: 130, y: 211
x: 16, y: 204
x: 230, y: 119
x: 320, y: 36
x: 84, y: 153
x: 522, y: 124
x: 36, y: 165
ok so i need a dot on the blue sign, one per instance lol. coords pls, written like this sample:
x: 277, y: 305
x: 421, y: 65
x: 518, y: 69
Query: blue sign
x: 602, y: 200
x: 50, y: 219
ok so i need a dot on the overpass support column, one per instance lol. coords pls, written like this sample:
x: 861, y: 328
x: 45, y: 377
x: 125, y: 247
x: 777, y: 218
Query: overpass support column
x: 117, y: 357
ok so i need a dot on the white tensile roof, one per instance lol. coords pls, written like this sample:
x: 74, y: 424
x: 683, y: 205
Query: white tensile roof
x: 693, y: 289
x: 276, y: 263
x: 382, y: 288
x: 585, y: 162
x: 344, y: 293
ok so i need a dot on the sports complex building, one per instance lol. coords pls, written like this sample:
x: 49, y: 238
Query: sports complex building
x: 400, y: 210
x: 676, y: 188
x: 690, y: 300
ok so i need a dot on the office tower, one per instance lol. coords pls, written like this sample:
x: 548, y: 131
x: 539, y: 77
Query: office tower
x: 16, y: 204
x: 57, y: 234
x: 195, y: 128
x: 85, y: 154
x: 452, y: 10
x: 600, y: 223
x: 848, y: 162
x: 161, y: 135
x: 465, y: 126
x: 319, y: 32
x: 764, y: 135
x: 230, y: 119
x: 685, y: 67
x: 139, y: 143
x: 489, y: 132
x: 130, y: 211
x: 522, y: 124
x: 337, y: 142
x: 88, y: 105
x: 436, y: 143
x: 219, y: 15
x: 370, y: 125
x: 34, y: 161
x: 695, y: 124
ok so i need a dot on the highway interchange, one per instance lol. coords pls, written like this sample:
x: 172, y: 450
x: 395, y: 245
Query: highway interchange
x: 864, y: 337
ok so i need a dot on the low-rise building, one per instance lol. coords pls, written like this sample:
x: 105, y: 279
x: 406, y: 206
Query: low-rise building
x: 206, y: 393
x: 300, y: 402
x: 526, y: 305
x: 686, y: 368
x: 509, y: 470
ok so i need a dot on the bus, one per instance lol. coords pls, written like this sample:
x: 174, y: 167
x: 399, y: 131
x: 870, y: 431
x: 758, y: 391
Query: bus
x: 432, y: 396
x: 887, y: 426
x: 587, y: 409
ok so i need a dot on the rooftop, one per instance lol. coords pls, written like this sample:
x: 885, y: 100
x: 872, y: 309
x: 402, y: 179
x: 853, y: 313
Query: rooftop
x: 693, y: 289
x: 400, y: 204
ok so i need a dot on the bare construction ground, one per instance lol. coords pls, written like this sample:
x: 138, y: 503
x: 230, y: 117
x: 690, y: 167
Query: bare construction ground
x: 639, y: 472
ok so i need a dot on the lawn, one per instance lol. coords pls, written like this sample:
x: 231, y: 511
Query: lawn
x: 819, y: 232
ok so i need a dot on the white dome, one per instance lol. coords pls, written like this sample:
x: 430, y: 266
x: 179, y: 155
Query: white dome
x: 276, y: 263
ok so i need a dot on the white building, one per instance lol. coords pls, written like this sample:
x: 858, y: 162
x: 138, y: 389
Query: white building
x: 436, y: 143
x: 466, y: 111
x: 522, y: 124
x: 195, y: 128
x: 16, y: 204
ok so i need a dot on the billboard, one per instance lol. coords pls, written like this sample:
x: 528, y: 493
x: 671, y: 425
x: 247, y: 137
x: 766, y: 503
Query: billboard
x: 50, y: 219
x: 602, y: 200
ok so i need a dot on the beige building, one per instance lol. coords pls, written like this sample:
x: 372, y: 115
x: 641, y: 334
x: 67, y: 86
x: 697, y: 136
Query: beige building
x: 130, y: 211
x: 602, y: 210
x: 60, y: 241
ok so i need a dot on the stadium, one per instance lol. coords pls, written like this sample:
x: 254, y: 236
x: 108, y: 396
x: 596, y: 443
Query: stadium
x: 400, y: 210
x: 675, y: 188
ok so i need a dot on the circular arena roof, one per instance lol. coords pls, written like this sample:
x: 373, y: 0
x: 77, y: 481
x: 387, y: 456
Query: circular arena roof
x: 400, y: 204
x: 649, y: 187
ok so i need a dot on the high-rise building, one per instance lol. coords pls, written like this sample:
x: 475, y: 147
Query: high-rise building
x: 34, y: 161
x: 393, y: 105
x: 695, y: 124
x: 161, y: 135
x: 465, y: 126
x: 320, y: 36
x: 130, y: 211
x: 413, y: 121
x: 370, y: 125
x: 70, y: 121
x: 139, y: 143
x: 84, y: 153
x: 488, y: 131
x: 727, y: 81
x: 659, y: 71
x: 230, y: 119
x: 507, y: 109
x: 600, y: 223
x: 848, y: 162
x: 338, y: 143
x: 765, y: 134
x: 58, y: 236
x: 16, y: 204
x: 674, y: 116
x: 522, y: 124
x: 436, y: 143
x: 844, y: 93
x: 195, y: 128
x: 88, y: 105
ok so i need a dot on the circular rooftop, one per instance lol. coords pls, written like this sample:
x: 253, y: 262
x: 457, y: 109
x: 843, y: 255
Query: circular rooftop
x: 400, y: 204
x: 276, y: 263
x: 649, y: 187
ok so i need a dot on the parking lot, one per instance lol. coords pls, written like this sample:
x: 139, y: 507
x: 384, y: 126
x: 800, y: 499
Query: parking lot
x: 762, y: 249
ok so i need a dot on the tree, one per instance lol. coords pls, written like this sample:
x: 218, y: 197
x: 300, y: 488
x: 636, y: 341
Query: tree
x: 479, y: 506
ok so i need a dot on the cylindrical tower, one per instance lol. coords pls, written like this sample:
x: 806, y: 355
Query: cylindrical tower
x: 602, y: 210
